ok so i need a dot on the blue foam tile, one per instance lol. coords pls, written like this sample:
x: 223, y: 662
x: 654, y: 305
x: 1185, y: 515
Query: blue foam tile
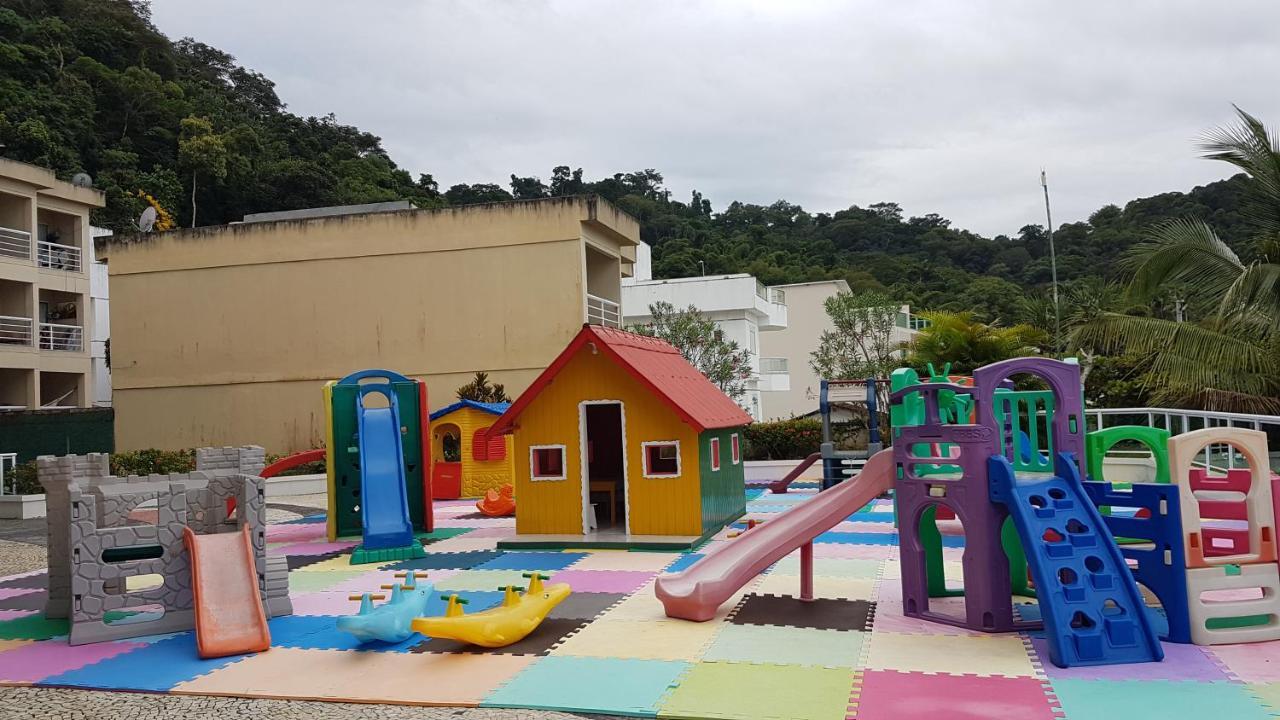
x: 155, y: 668
x: 682, y: 562
x: 599, y: 685
x: 952, y: 541
x: 753, y: 493
x: 858, y: 538
x: 447, y: 561
x: 317, y: 632
x: 871, y: 516
x: 516, y: 560
x: 305, y: 520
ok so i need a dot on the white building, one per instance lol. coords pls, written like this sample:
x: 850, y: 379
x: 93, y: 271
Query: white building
x: 742, y: 307
x: 99, y: 309
x: 794, y: 344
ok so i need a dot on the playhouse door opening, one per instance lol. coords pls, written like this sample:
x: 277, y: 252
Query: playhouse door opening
x: 604, y: 474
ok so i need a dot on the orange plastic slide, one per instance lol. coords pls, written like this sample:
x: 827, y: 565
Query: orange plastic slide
x: 229, y: 615
x: 695, y: 593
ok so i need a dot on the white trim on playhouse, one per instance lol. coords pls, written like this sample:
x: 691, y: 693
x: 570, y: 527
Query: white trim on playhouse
x: 533, y: 475
x: 583, y: 465
x: 644, y: 459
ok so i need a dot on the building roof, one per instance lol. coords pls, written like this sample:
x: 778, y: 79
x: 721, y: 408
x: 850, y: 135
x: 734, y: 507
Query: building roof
x: 493, y: 408
x: 656, y: 365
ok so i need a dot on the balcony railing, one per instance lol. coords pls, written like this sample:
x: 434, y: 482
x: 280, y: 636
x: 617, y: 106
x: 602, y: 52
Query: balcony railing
x: 773, y: 366
x: 15, y: 330
x: 15, y: 243
x: 58, y: 256
x: 61, y: 337
x: 603, y: 312
x: 1178, y: 421
x: 768, y: 294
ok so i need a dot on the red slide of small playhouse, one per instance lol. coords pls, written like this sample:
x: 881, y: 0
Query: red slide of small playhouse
x: 697, y: 592
x: 229, y: 615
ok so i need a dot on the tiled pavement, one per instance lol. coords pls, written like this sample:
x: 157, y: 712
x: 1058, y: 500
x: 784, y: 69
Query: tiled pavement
x: 610, y: 649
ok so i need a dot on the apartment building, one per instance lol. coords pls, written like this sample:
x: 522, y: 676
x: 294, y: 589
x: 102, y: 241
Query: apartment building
x: 794, y: 344
x: 46, y: 316
x: 225, y: 335
x: 741, y: 306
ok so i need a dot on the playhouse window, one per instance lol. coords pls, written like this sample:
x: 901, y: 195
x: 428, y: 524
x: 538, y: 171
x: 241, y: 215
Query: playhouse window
x: 735, y: 449
x: 714, y: 452
x: 661, y: 459
x: 546, y: 462
x: 486, y: 447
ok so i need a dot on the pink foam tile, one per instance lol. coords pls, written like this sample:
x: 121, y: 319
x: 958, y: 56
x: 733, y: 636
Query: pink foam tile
x: 1181, y: 662
x: 6, y: 593
x: 34, y: 662
x: 1251, y: 663
x: 603, y: 581
x: 316, y: 548
x: 889, y: 591
x: 324, y: 603
x: 470, y: 522
x: 919, y: 696
x: 864, y: 527
x: 856, y: 552
x: 889, y: 618
x: 302, y: 532
x: 15, y: 614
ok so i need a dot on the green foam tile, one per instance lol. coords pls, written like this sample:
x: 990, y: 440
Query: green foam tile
x: 612, y: 686
x: 728, y: 690
x: 33, y: 627
x: 362, y: 556
x: 1156, y: 700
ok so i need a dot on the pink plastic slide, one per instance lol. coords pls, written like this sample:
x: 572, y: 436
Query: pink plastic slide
x: 697, y: 592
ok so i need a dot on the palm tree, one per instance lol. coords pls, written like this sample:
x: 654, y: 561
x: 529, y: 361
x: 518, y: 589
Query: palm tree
x: 956, y: 338
x: 1230, y: 359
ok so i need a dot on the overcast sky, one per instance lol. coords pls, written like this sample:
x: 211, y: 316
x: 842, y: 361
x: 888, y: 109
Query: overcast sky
x: 942, y: 106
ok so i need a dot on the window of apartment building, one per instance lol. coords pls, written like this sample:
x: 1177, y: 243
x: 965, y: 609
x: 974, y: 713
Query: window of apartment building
x: 753, y: 340
x: 714, y: 452
x: 661, y: 459
x: 546, y: 462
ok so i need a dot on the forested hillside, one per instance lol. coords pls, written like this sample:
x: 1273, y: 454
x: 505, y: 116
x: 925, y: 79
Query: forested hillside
x: 92, y: 86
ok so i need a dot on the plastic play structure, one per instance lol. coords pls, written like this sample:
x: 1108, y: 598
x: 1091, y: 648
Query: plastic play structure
x: 466, y: 460
x: 512, y: 621
x: 838, y: 465
x: 392, y: 621
x: 696, y: 592
x: 1008, y: 465
x: 377, y: 461
x: 204, y: 541
x: 498, y: 503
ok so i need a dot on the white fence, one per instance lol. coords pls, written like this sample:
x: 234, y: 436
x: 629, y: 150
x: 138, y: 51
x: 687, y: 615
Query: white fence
x: 603, y: 312
x: 61, y: 337
x: 1178, y: 421
x: 15, y: 243
x: 57, y: 256
x: 15, y: 330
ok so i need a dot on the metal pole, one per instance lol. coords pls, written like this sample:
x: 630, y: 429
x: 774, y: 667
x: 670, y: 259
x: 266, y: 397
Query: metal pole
x: 1053, y: 265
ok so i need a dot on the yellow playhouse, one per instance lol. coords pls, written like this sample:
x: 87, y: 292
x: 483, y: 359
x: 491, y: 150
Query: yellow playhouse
x: 467, y: 460
x: 622, y: 443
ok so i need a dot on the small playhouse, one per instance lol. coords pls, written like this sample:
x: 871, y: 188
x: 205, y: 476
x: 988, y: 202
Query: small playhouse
x: 622, y: 443
x: 467, y: 459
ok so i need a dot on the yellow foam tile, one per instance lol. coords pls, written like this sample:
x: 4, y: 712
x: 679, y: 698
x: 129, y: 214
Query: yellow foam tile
x: 13, y: 644
x: 953, y: 654
x: 823, y: 587
x: 623, y: 560
x: 462, y: 544
x: 338, y: 675
x: 640, y: 639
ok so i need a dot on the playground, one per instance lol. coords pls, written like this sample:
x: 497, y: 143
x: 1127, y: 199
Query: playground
x: 992, y: 562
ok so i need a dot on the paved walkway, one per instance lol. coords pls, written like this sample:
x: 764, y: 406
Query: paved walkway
x: 22, y: 550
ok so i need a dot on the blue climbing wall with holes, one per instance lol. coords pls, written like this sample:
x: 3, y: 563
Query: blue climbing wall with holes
x: 1093, y: 612
x: 1159, y: 563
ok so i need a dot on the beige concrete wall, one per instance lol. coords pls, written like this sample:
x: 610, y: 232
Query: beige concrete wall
x: 226, y: 335
x: 806, y: 319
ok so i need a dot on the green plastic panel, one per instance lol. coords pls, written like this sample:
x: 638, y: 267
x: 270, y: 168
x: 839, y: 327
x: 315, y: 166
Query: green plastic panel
x: 1098, y: 442
x: 722, y: 498
x: 346, y: 455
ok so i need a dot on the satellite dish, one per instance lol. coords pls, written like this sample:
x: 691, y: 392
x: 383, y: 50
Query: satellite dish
x: 82, y: 180
x: 147, y: 220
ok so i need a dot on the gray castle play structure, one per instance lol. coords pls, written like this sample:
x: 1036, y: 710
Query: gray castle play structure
x: 103, y: 530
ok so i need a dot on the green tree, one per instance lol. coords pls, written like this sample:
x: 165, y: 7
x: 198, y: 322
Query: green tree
x: 862, y: 344
x: 959, y: 339
x: 702, y: 343
x: 1229, y: 357
x: 201, y: 152
x: 480, y: 390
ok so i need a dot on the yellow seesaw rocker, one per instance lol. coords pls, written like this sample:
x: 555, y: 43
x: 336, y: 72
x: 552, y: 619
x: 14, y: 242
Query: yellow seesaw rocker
x: 510, y: 622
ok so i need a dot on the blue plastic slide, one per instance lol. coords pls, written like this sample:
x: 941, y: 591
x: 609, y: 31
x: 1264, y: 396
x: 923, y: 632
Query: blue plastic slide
x: 1093, y: 611
x: 384, y: 509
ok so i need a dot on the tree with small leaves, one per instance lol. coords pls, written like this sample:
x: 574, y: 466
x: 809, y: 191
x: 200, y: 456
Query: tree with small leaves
x: 702, y: 343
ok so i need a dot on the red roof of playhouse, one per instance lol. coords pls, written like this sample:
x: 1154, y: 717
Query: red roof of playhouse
x: 657, y: 365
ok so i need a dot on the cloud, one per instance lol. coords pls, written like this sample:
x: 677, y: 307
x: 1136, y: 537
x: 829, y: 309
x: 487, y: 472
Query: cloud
x: 941, y: 106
